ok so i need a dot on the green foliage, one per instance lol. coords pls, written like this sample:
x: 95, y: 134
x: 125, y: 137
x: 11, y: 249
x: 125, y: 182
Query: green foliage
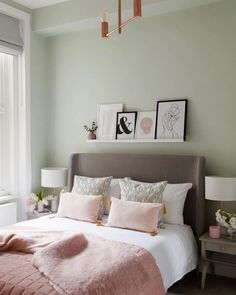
x: 91, y: 129
x: 41, y: 195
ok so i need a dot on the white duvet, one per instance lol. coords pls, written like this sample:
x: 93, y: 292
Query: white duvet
x: 174, y: 248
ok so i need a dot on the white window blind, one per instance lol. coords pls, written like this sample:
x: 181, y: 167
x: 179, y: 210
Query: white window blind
x: 8, y: 123
x: 10, y: 33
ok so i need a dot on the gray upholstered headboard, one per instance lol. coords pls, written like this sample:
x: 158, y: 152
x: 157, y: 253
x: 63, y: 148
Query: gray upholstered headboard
x: 150, y: 168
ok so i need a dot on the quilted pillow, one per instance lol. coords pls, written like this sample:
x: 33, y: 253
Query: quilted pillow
x: 92, y: 186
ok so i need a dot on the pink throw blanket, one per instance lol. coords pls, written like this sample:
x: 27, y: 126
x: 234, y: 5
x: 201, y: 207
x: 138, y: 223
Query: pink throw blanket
x: 90, y: 265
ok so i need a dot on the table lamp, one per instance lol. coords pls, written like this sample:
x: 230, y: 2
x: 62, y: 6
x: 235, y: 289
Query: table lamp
x: 221, y: 189
x: 54, y: 177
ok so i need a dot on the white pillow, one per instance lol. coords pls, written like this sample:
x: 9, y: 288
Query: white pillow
x: 174, y: 197
x: 114, y: 191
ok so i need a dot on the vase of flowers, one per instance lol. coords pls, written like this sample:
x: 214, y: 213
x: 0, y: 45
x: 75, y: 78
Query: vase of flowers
x: 91, y: 130
x: 228, y: 221
x: 37, y: 201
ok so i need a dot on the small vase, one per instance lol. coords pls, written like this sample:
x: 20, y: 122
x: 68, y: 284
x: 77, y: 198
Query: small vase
x: 223, y: 230
x: 231, y: 234
x: 91, y: 136
x: 40, y: 206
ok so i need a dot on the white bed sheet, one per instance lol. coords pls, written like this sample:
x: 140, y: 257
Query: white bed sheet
x: 174, y: 248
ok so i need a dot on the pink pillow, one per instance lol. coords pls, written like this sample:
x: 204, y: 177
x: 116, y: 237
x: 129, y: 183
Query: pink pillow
x: 80, y: 207
x: 134, y: 215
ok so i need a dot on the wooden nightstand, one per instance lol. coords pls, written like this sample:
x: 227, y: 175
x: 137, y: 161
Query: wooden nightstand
x: 216, y: 251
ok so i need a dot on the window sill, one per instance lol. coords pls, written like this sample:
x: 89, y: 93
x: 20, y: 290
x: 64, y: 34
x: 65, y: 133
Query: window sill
x: 9, y: 198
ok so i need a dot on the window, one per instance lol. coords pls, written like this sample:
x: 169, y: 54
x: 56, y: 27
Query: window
x: 15, y: 152
x: 8, y: 123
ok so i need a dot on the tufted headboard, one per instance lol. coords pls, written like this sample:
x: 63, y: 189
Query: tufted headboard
x: 150, y: 168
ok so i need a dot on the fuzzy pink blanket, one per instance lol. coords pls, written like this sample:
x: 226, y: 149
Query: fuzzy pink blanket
x: 89, y: 265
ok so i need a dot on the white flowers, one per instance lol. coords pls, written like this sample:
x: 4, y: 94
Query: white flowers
x: 34, y: 200
x: 232, y: 222
x: 226, y: 219
x: 31, y: 202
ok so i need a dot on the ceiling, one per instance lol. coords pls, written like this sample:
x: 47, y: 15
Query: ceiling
x: 33, y: 4
x: 94, y: 4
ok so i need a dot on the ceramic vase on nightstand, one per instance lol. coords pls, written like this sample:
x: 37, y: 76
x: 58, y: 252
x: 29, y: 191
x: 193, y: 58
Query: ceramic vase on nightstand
x: 231, y: 234
x: 40, y: 206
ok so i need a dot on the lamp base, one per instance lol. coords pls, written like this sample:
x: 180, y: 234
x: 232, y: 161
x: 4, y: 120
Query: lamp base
x: 54, y: 204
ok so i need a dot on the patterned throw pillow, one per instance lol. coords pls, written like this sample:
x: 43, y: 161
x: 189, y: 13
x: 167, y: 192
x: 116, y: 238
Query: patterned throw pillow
x: 92, y: 186
x: 143, y: 192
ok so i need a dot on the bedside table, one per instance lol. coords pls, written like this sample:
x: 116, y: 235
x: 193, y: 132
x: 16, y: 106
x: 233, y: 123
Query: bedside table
x: 36, y: 214
x: 213, y: 251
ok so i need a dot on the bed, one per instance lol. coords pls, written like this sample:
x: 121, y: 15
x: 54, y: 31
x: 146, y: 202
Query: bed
x: 175, y: 247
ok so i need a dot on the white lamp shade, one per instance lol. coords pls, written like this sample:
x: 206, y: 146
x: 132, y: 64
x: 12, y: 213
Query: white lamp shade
x: 53, y: 177
x: 220, y: 188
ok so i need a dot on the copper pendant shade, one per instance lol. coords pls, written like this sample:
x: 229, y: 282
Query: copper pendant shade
x: 137, y: 14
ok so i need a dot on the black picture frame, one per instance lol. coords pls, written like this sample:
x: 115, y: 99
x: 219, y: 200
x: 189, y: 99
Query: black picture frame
x: 171, y: 120
x: 122, y: 130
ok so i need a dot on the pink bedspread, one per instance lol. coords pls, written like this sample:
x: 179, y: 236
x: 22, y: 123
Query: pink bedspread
x: 18, y: 276
x: 79, y: 265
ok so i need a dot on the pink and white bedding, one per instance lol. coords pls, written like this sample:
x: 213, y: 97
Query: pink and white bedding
x: 174, y: 248
x: 74, y: 264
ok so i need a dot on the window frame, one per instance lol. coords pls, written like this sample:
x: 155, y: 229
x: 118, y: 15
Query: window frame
x: 23, y: 153
x: 9, y: 128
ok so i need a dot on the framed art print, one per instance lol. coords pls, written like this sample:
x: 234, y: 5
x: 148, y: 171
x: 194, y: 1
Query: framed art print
x: 145, y: 126
x: 171, y: 120
x: 106, y: 120
x: 125, y: 125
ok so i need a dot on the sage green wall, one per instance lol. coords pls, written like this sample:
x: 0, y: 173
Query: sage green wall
x: 190, y: 54
x: 39, y: 107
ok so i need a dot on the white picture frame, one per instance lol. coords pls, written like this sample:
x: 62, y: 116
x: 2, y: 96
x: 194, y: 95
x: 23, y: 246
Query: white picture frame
x: 146, y: 125
x: 106, y: 120
x: 171, y: 120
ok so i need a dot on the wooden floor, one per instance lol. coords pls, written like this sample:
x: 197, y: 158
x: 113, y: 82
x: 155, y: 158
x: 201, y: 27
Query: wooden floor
x: 215, y: 285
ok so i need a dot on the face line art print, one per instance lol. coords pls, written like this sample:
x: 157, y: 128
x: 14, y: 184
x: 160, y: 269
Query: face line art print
x: 146, y: 125
x: 169, y: 120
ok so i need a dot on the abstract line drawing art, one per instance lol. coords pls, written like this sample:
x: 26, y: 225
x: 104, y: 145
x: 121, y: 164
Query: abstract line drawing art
x: 125, y: 126
x: 171, y: 120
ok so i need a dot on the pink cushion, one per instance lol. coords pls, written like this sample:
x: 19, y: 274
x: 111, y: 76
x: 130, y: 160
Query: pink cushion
x: 134, y: 215
x: 80, y: 207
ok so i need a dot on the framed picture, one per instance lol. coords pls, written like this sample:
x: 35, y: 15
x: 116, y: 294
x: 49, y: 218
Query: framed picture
x: 106, y: 120
x: 171, y: 120
x: 146, y: 124
x: 125, y: 125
